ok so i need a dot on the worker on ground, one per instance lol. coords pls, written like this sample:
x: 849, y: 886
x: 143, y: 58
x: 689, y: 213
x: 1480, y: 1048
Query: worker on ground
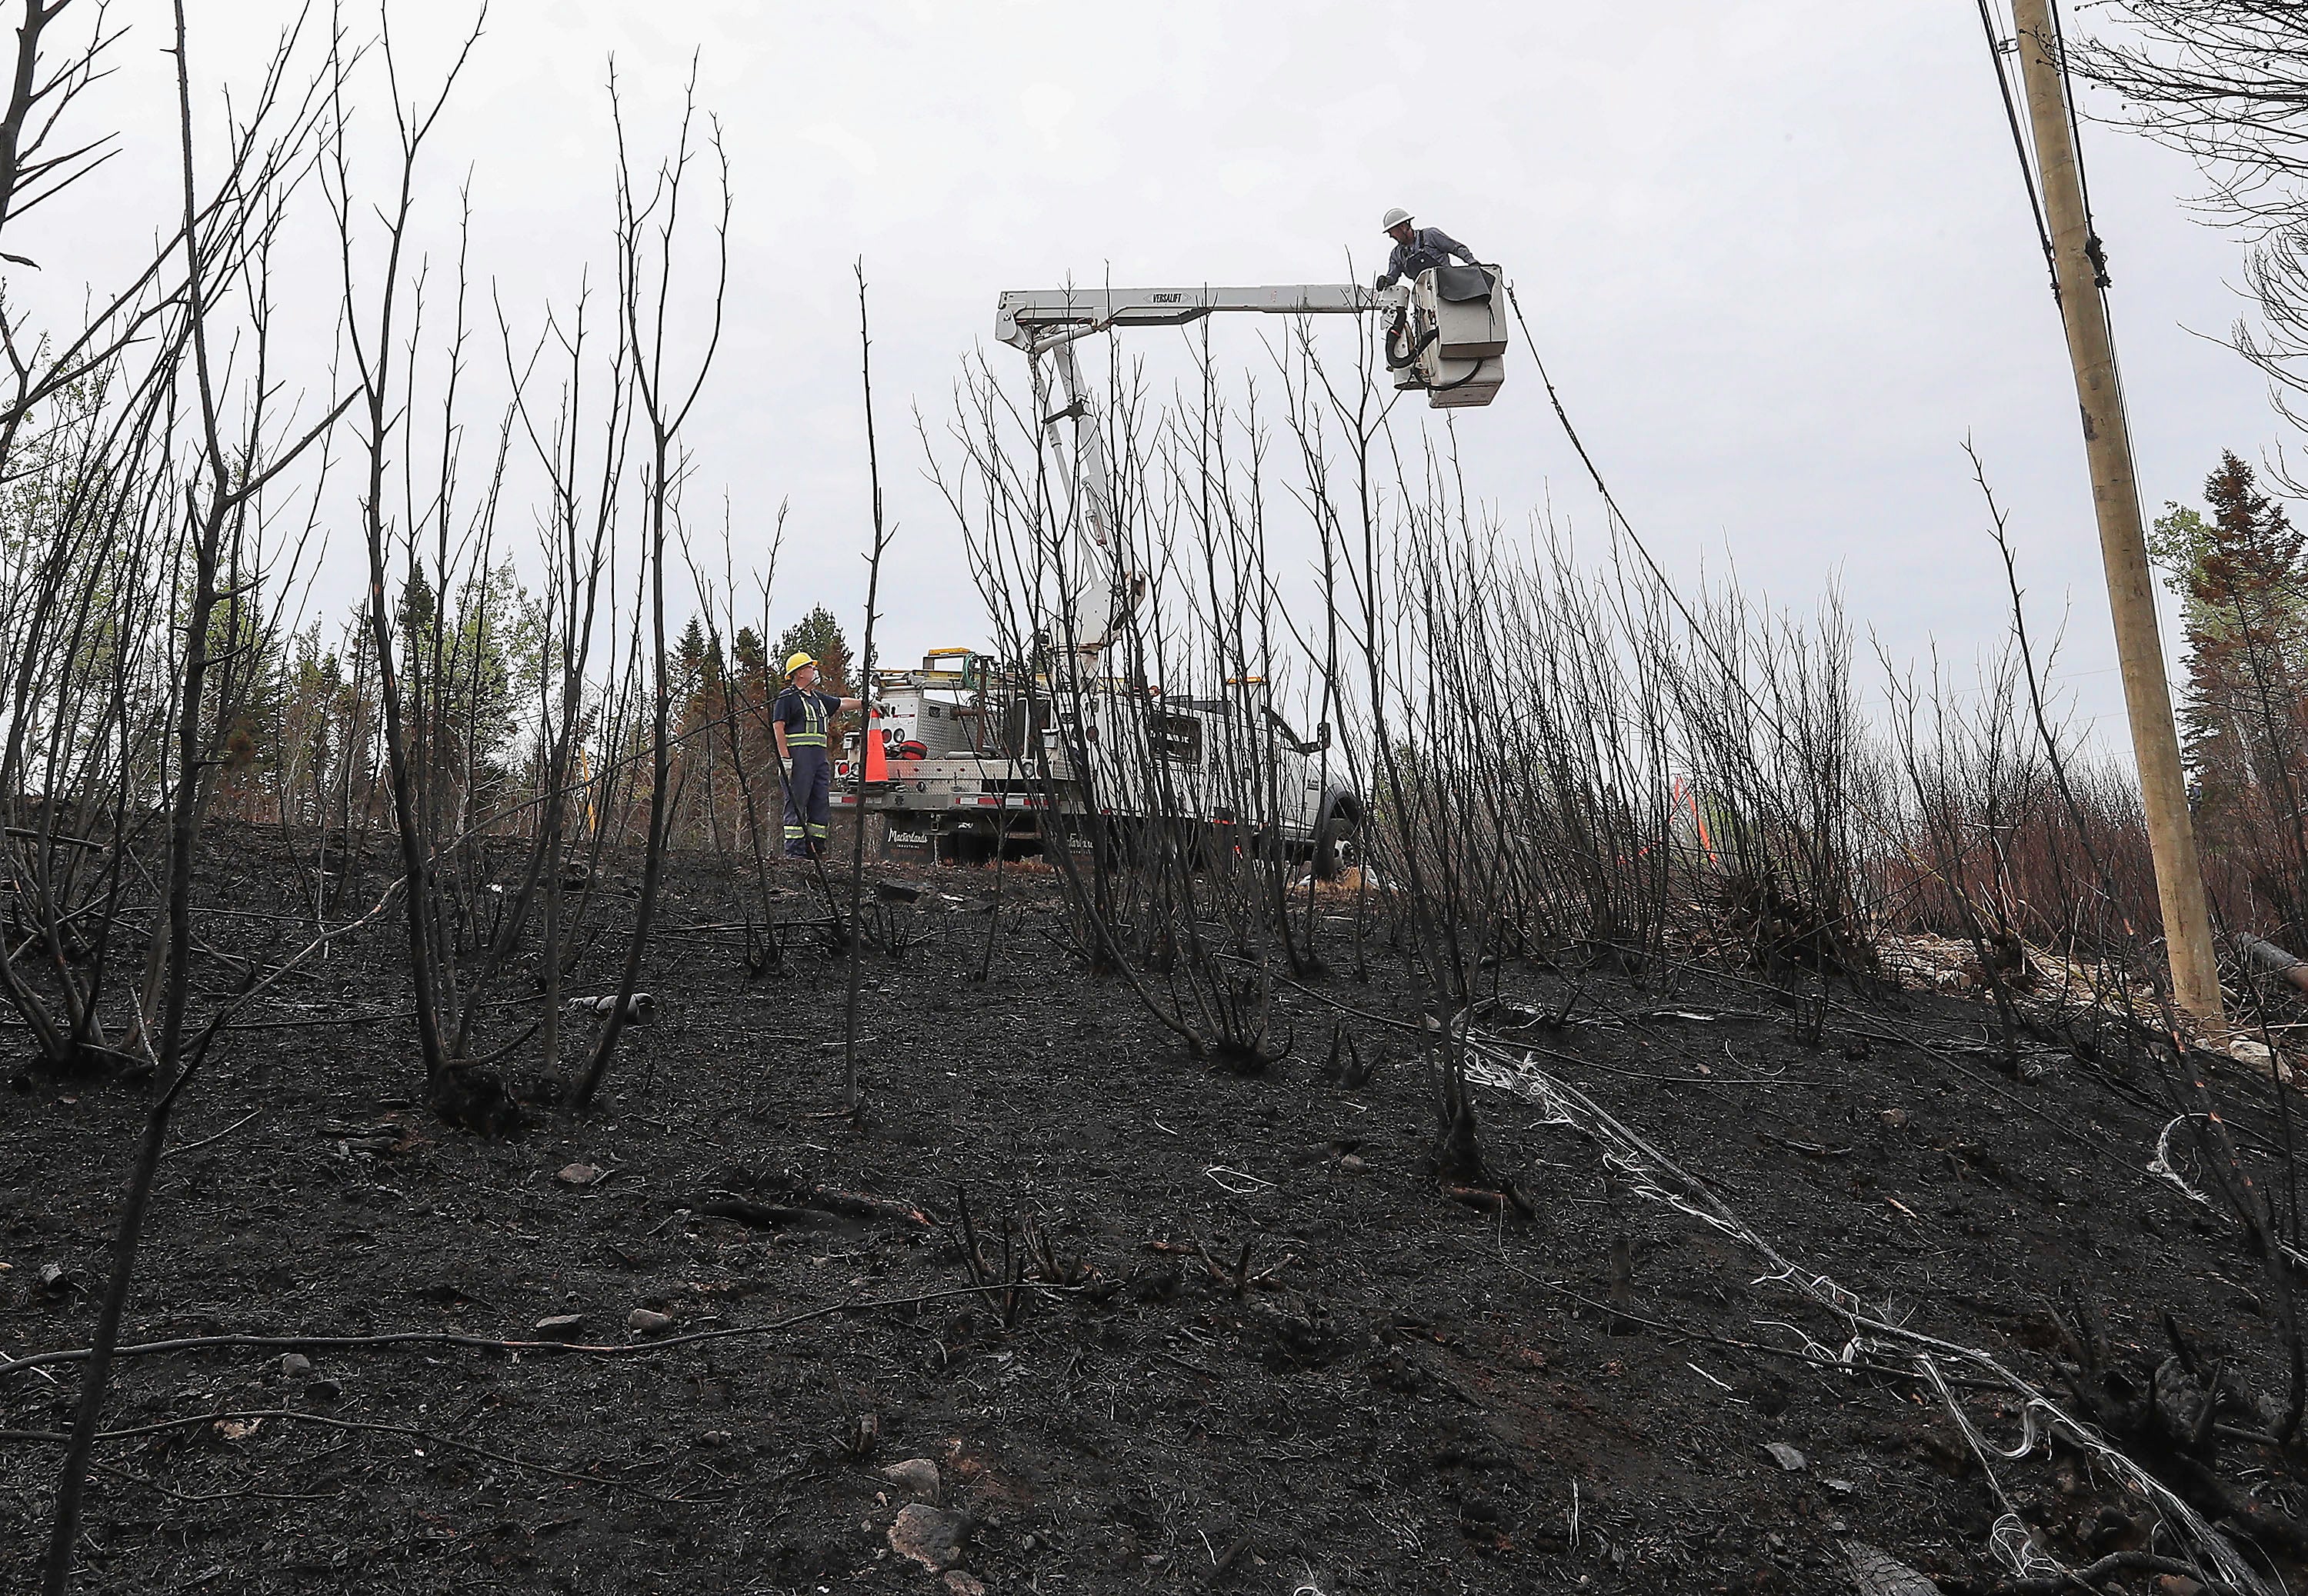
x: 799, y: 722
x: 1416, y: 249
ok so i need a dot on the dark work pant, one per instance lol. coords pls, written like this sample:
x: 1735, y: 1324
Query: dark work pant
x: 809, y: 799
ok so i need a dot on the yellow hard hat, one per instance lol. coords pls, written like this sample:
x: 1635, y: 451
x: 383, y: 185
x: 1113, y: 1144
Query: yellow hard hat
x: 798, y: 660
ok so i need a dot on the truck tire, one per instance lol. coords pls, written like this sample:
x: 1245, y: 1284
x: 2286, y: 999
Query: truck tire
x: 1339, y: 819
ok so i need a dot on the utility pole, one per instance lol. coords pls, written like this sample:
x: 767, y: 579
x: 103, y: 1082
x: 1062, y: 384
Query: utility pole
x: 2124, y: 552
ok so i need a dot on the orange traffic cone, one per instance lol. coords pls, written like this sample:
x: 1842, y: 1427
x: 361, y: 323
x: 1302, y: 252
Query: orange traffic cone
x: 877, y: 760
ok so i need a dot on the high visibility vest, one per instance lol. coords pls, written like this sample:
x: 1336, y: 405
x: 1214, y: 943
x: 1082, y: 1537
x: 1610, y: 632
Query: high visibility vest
x: 811, y: 734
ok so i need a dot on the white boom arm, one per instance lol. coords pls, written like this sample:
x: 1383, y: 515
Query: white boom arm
x: 1460, y: 369
x: 1035, y: 320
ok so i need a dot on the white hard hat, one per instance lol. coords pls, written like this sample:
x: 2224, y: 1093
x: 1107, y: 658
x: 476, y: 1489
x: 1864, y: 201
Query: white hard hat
x: 1393, y: 219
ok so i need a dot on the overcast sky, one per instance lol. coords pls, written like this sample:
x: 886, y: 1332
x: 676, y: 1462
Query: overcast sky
x: 1777, y: 253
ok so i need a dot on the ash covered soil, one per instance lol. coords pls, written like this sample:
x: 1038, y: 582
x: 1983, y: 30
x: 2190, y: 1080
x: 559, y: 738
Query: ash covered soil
x: 1401, y: 1392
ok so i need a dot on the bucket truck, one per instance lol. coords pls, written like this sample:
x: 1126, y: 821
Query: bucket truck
x: 979, y: 757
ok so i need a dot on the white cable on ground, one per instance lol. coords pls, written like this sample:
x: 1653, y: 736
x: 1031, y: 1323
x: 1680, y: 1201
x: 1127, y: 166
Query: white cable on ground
x: 2162, y: 1167
x: 1652, y: 1174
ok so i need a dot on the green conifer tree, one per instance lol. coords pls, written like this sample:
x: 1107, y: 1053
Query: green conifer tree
x: 819, y: 635
x: 2243, y: 582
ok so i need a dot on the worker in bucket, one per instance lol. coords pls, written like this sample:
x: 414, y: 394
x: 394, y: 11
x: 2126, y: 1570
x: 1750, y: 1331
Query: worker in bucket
x: 1416, y: 249
x: 798, y: 721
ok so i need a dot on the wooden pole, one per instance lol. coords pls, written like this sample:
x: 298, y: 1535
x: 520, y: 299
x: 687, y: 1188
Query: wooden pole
x: 2115, y: 498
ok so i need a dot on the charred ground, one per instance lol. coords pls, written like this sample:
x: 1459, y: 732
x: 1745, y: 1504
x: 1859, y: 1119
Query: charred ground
x: 1222, y: 1332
